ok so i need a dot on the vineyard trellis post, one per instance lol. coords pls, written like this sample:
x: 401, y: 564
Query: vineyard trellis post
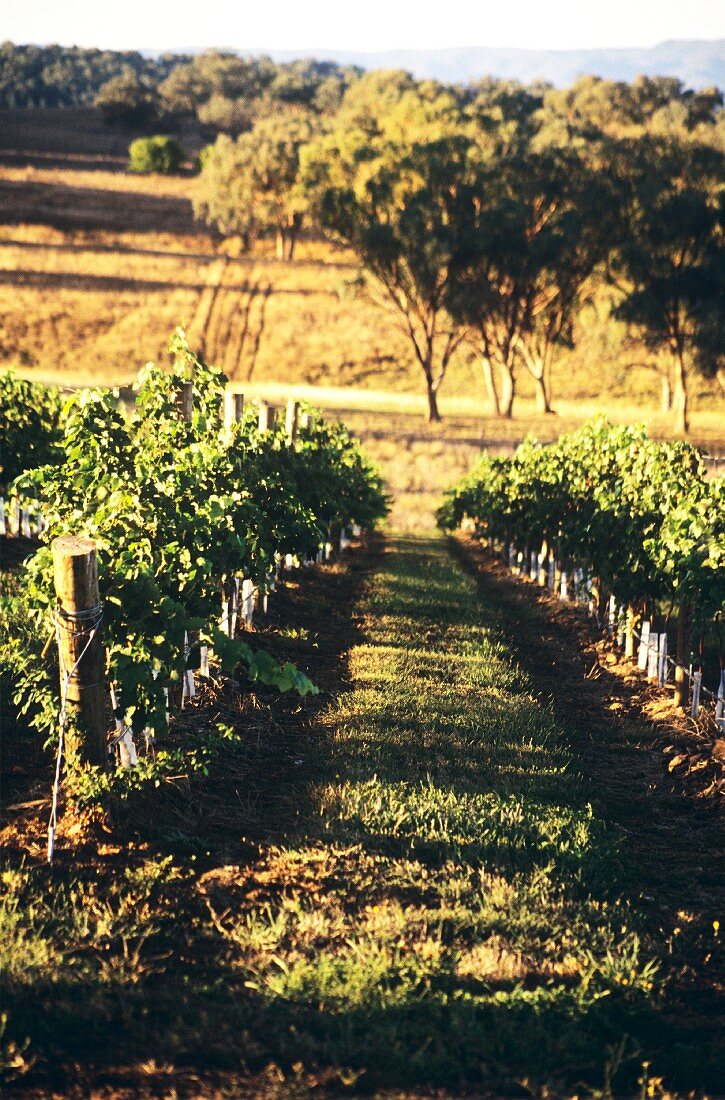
x: 186, y: 401
x: 80, y: 649
x: 266, y: 417
x: 291, y: 418
x: 682, y: 655
x: 233, y: 409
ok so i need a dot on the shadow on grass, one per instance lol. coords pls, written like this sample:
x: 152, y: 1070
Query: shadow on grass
x: 372, y: 973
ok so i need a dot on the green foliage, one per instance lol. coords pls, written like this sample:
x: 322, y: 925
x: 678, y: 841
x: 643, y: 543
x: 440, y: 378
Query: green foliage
x: 69, y: 76
x: 160, y: 154
x: 177, y: 509
x: 30, y: 426
x: 127, y: 100
x: 640, y: 514
x: 231, y: 92
x: 392, y: 186
x: 670, y: 253
x: 539, y: 224
x: 250, y: 186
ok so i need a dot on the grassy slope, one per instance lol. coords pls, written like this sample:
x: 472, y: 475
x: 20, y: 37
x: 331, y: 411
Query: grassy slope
x: 449, y: 910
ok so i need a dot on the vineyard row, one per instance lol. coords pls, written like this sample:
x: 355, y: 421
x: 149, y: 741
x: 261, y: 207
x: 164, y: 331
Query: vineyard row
x: 192, y: 505
x: 631, y: 526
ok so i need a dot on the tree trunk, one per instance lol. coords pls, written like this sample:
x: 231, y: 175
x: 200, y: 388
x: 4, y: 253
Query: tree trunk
x: 543, y: 405
x: 433, y: 414
x: 508, y: 391
x: 681, y: 402
x: 490, y: 383
x: 666, y: 393
x: 536, y: 366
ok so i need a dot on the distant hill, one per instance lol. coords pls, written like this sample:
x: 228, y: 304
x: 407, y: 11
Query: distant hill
x: 699, y: 64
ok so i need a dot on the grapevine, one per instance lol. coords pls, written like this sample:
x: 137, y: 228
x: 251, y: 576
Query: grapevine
x: 177, y: 509
x: 639, y: 516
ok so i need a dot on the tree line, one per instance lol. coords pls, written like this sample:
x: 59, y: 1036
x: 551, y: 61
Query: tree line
x: 486, y: 216
x: 220, y: 89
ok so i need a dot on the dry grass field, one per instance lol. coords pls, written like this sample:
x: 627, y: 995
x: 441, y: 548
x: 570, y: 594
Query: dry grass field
x: 97, y: 266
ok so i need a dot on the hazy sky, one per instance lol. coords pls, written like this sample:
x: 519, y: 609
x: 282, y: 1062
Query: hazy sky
x: 359, y: 24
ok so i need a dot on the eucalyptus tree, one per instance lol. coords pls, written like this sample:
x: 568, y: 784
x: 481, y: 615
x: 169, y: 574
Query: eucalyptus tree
x: 250, y: 185
x: 669, y: 265
x: 127, y: 100
x: 390, y: 181
x: 535, y: 237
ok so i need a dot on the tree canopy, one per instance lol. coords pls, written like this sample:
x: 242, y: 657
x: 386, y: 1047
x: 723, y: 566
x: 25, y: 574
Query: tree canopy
x: 250, y: 185
x: 669, y: 261
x: 390, y: 181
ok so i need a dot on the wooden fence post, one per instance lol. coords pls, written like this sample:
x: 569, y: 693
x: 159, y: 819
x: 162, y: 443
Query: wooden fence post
x: 79, y: 613
x: 291, y: 417
x: 186, y: 401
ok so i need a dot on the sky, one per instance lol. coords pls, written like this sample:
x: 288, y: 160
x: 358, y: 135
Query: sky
x: 369, y: 25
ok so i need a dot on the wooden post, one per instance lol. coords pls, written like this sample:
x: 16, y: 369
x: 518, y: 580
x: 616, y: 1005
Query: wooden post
x: 643, y: 652
x: 233, y: 409
x: 290, y: 424
x: 629, y: 632
x: 186, y: 401
x: 543, y: 572
x: 682, y: 655
x: 76, y: 586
